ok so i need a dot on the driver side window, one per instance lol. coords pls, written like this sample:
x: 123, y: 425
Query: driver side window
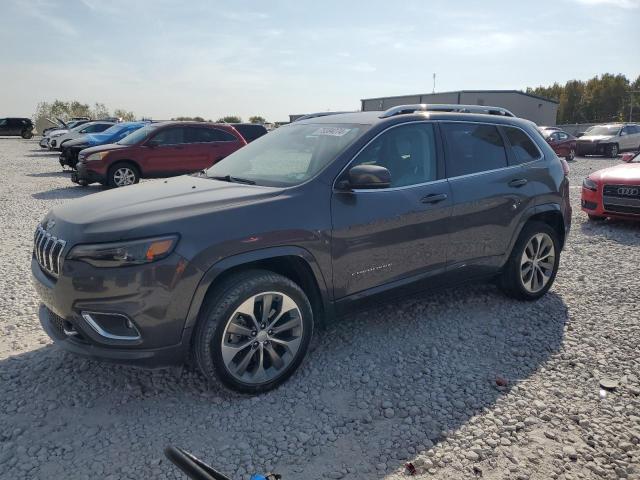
x: 169, y: 136
x: 407, y: 151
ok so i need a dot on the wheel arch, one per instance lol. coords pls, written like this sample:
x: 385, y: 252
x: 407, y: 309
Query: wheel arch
x: 295, y: 263
x: 550, y: 213
x: 126, y: 160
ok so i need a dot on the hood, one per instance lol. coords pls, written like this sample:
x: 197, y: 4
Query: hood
x: 624, y: 173
x: 595, y: 138
x: 56, y: 131
x: 152, y: 208
x: 102, y: 148
x: 78, y: 142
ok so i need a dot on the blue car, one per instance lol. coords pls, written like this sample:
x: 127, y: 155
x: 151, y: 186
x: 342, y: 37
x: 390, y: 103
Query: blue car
x: 71, y: 149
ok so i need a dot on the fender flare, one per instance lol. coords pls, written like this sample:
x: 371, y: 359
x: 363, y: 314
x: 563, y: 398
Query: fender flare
x: 524, y: 218
x: 227, y: 263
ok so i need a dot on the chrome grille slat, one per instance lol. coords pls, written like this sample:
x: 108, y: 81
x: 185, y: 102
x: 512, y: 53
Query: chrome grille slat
x: 48, y: 251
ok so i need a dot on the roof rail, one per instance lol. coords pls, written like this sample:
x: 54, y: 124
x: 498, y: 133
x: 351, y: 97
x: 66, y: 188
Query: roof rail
x: 442, y: 107
x: 316, y: 115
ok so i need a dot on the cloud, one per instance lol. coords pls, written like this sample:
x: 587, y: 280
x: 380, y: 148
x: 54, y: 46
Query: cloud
x: 474, y: 44
x: 40, y: 11
x: 627, y: 4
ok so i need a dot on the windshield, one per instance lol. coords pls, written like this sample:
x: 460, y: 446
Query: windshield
x: 289, y: 155
x: 115, y: 129
x: 608, y: 130
x: 138, y: 135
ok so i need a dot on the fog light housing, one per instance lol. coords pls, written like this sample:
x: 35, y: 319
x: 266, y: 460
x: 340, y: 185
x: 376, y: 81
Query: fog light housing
x: 114, y: 326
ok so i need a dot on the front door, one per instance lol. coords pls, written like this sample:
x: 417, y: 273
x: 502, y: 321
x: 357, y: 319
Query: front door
x: 381, y: 236
x: 165, y: 153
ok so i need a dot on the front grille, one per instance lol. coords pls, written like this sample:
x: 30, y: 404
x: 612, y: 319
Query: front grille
x: 622, y: 191
x: 48, y: 251
x: 622, y: 208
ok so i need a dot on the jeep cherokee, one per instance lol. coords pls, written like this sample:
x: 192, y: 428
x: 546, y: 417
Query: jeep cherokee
x: 232, y: 268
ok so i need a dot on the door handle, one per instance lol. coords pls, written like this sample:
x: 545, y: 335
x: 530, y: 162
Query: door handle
x: 518, y: 182
x: 434, y: 198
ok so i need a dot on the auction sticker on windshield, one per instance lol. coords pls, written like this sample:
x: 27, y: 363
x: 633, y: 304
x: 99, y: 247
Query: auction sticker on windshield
x: 332, y: 131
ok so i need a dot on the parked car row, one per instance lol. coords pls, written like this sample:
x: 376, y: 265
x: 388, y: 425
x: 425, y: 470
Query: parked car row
x: 55, y: 139
x: 609, y: 139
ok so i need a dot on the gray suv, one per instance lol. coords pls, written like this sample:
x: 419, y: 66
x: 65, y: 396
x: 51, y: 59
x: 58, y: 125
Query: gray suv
x: 235, y: 267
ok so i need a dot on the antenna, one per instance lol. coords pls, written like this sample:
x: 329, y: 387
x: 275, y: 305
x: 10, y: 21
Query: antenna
x: 434, y: 83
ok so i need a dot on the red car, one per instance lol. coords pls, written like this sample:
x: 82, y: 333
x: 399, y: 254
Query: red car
x: 562, y: 143
x: 157, y: 150
x: 613, y: 192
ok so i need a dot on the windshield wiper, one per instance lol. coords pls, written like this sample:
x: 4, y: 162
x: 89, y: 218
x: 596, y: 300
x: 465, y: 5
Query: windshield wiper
x: 229, y: 178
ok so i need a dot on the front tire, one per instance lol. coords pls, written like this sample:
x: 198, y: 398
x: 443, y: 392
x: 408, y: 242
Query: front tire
x: 253, y: 332
x: 533, y: 263
x: 612, y: 150
x: 122, y: 174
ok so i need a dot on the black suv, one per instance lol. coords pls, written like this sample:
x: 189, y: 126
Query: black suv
x: 22, y: 127
x: 233, y: 267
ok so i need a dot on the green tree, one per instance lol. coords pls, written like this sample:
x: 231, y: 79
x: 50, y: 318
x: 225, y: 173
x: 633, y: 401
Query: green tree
x: 230, y: 119
x: 257, y: 119
x: 124, y: 115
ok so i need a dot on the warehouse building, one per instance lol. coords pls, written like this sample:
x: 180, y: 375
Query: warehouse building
x: 540, y: 110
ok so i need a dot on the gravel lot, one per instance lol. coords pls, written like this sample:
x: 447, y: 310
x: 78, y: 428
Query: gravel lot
x: 410, y: 381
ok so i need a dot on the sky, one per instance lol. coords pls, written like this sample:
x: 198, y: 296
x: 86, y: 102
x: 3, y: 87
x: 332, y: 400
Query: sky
x: 162, y: 59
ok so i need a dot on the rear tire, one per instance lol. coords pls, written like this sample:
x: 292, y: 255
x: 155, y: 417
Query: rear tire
x: 253, y: 353
x: 612, y: 150
x: 572, y: 155
x: 533, y: 264
x: 26, y: 134
x: 123, y: 174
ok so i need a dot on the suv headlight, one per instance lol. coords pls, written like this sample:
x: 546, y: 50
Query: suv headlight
x: 590, y: 184
x: 96, y: 156
x: 122, y: 254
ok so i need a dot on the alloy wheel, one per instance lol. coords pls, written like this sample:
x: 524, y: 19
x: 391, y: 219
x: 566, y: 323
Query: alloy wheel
x: 537, y: 262
x: 572, y: 155
x: 262, y: 337
x: 124, y: 176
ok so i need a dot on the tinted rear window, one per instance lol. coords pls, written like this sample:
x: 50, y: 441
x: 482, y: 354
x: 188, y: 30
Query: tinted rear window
x: 207, y: 135
x: 472, y: 148
x: 523, y: 147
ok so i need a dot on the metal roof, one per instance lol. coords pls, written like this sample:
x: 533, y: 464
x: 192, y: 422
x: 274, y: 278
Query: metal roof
x: 519, y: 92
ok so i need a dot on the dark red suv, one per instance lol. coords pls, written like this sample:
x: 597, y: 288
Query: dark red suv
x: 158, y: 150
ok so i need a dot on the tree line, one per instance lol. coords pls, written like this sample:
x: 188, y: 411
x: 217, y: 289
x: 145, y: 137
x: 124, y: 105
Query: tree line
x: 603, y: 98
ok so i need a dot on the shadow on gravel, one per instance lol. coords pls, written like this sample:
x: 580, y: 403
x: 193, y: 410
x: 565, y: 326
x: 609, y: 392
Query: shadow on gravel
x: 625, y: 232
x: 63, y: 173
x: 380, y: 387
x: 67, y: 192
x: 44, y: 153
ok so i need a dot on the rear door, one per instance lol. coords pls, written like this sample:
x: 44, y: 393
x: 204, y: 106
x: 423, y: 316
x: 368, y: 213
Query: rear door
x: 490, y: 191
x: 389, y: 235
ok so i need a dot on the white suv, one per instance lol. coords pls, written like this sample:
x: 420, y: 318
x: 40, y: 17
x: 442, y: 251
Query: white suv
x: 609, y: 139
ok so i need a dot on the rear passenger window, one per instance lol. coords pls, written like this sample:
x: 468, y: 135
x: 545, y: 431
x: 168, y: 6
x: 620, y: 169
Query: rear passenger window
x: 208, y: 135
x: 523, y: 147
x: 472, y: 148
x: 169, y: 136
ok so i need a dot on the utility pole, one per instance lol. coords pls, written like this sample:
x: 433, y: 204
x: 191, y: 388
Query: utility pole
x: 434, y: 83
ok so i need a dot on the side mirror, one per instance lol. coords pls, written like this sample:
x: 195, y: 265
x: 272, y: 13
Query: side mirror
x: 368, y: 177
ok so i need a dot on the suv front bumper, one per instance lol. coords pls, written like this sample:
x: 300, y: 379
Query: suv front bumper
x: 154, y: 297
x: 83, y: 175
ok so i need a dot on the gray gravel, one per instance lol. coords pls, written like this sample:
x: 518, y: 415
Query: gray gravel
x: 410, y: 381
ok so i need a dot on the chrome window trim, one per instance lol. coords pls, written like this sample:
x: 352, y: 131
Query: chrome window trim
x: 446, y: 178
x: 541, y: 157
x: 103, y: 333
